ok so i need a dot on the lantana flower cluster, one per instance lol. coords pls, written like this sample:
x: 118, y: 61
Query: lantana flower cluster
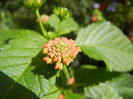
x: 60, y: 51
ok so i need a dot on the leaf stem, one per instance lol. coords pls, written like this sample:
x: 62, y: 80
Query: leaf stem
x: 40, y: 23
x: 66, y: 74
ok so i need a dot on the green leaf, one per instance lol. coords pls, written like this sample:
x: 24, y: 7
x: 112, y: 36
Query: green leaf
x: 7, y: 35
x: 73, y: 96
x: 122, y: 85
x: 24, y: 74
x: 92, y: 75
x: 62, y: 27
x: 101, y: 91
x: 54, y: 93
x: 68, y: 26
x: 54, y: 22
x: 105, y: 42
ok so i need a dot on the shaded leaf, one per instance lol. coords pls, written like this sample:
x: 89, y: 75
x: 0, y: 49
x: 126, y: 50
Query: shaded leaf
x: 21, y: 92
x: 92, y: 74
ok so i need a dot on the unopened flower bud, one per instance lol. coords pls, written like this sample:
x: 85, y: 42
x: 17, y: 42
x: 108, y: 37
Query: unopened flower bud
x: 62, y: 13
x: 34, y: 3
x: 72, y: 81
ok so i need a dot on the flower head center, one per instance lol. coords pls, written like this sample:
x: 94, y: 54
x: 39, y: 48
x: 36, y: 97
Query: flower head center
x: 60, y: 51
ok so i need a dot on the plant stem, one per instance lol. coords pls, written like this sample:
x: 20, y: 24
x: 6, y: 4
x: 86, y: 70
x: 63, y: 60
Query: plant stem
x: 66, y: 74
x: 40, y: 23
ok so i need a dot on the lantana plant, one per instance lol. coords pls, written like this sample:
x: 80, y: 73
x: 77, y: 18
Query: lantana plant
x: 52, y: 65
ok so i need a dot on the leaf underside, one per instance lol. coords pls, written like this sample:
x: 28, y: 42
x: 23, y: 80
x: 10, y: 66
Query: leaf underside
x: 120, y: 87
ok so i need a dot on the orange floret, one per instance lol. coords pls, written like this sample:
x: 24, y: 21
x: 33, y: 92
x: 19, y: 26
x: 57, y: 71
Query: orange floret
x: 73, y: 54
x: 45, y: 50
x: 78, y: 49
x: 67, y: 61
x: 48, y: 60
x: 58, y: 66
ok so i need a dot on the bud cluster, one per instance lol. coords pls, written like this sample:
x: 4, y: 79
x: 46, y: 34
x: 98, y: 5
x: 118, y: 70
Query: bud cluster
x: 62, y: 13
x: 60, y: 51
x: 34, y: 3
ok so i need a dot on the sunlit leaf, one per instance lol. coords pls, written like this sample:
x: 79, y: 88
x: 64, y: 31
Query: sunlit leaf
x: 24, y: 74
x: 105, y: 42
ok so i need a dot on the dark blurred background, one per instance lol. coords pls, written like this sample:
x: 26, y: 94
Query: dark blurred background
x: 13, y: 13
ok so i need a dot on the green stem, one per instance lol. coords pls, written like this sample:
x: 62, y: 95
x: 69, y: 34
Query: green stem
x: 58, y: 33
x: 40, y: 23
x: 66, y: 74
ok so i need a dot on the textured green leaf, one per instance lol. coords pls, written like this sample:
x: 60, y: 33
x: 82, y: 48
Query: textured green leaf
x: 122, y: 85
x: 53, y: 94
x: 73, y: 96
x: 7, y: 35
x: 68, y: 26
x: 105, y: 42
x: 101, y: 91
x: 23, y: 76
x: 92, y: 74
